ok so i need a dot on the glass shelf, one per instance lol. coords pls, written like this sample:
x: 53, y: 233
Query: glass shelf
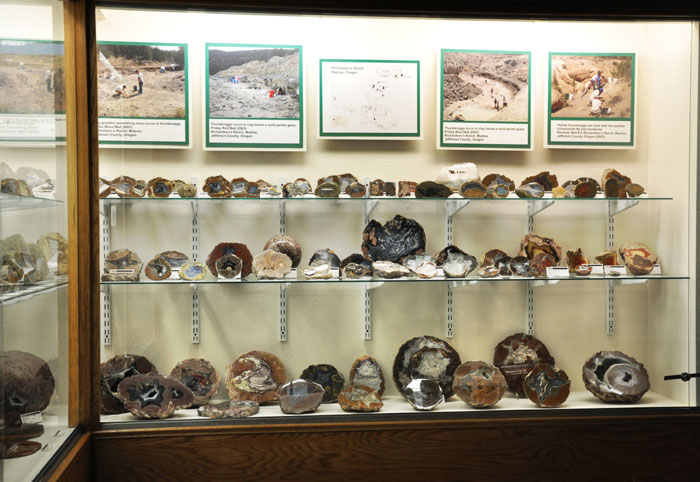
x: 13, y: 202
x: 14, y: 294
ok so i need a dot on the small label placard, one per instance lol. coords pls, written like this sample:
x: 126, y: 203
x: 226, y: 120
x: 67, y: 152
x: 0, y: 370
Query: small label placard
x: 121, y: 271
x: 31, y: 418
x: 656, y: 270
x: 557, y: 272
x: 235, y: 278
x: 596, y: 269
x: 615, y: 270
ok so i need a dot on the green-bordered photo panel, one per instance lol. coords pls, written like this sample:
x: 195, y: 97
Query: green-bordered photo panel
x: 143, y: 94
x: 254, y: 97
x: 591, y: 100
x: 32, y: 92
x: 369, y: 99
x: 485, y: 100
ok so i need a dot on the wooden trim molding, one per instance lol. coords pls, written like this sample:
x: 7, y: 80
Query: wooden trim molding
x: 76, y: 466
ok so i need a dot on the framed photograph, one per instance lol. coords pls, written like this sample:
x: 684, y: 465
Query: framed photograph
x: 369, y: 99
x: 591, y: 100
x: 143, y: 94
x: 32, y: 110
x: 253, y: 97
x: 485, y: 100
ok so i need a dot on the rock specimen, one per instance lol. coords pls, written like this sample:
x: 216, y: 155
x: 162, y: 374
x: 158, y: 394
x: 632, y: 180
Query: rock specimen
x: 159, y: 187
x: 328, y: 377
x: 158, y: 269
x: 367, y: 372
x: 583, y: 270
x: 54, y: 248
x: 396, y: 239
x: 153, y: 396
x: 377, y: 188
x: 229, y: 266
x: 389, y: 270
x: 545, y: 179
x: 356, y: 190
x: 298, y: 188
x: 489, y: 271
x: 301, y: 396
x: 412, y: 262
x: 533, y: 244
x: 22, y: 262
x: 122, y: 265
x: 456, y: 175
x: 27, y: 385
x: 345, y: 180
x: 104, y: 187
x: 271, y: 265
x: 406, y: 188
x: 614, y: 183
x: 531, y: 190
x: 333, y: 178
x: 113, y: 372
x: 497, y: 191
x: 123, y: 186
x: 200, y: 377
x: 613, y: 376
x: 194, y: 271
x: 520, y: 266
x: 516, y: 356
x: 479, y: 384
x: 390, y: 188
x: 451, y: 249
x: 217, y: 186
x: 424, y: 394
x: 431, y: 189
x: 360, y: 399
x: 253, y: 190
x: 586, y: 188
x: 186, y: 190
x: 634, y: 190
x: 229, y: 409
x: 175, y: 258
x: 284, y: 243
x: 639, y: 258
x: 257, y: 376
x: 547, y: 386
x: 558, y: 192
x: 493, y: 257
x: 426, y: 357
x: 458, y: 266
x: 239, y: 249
x: 473, y: 189
x: 325, y: 256
x: 239, y: 187
x: 328, y: 189
x: 141, y: 188
x: 19, y: 449
x: 318, y: 271
x: 575, y: 258
x: 356, y: 266
x: 426, y: 270
x: 607, y: 258
x: 498, y: 179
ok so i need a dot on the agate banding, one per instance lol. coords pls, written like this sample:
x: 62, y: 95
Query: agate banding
x: 199, y: 376
x: 113, y: 372
x: 426, y: 357
x: 613, y: 376
x: 154, y: 396
x: 257, y: 376
x: 516, y: 356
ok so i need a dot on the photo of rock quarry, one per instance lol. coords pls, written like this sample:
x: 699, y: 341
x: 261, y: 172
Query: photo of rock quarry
x: 591, y: 86
x: 485, y: 87
x: 254, y: 83
x: 141, y: 81
x: 31, y: 77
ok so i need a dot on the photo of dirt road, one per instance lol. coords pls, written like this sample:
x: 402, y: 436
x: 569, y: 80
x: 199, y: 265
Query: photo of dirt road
x: 31, y: 77
x: 485, y: 87
x: 254, y: 83
x: 576, y: 79
x: 162, y: 69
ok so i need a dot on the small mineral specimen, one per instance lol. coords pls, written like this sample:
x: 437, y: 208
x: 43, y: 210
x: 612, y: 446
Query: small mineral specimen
x: 193, y: 271
x: 539, y: 264
x: 451, y: 249
x: 426, y: 357
x: 328, y: 189
x: 123, y: 186
x: 412, y: 262
x: 575, y: 258
x: 531, y: 190
x: 634, y: 190
x: 520, y: 266
x: 345, y: 180
x: 406, y: 188
x: 257, y: 376
x: 217, y: 186
x: 614, y: 189
x: 328, y: 377
x: 229, y: 409
x: 586, y: 189
x: 355, y: 271
x: 298, y: 188
x: 620, y: 180
x: 489, y: 271
x: 229, y: 266
x: 607, y: 258
x: 271, y: 265
x: 27, y: 385
x: 360, y: 399
x: 318, y: 271
x: 104, y: 187
x: 159, y: 187
x: 533, y: 244
x: 492, y: 257
x: 358, y: 260
x: 253, y: 190
x: 334, y: 179
x: 113, y: 372
x: 356, y: 190
x: 239, y: 187
x: 424, y: 394
x: 431, y: 189
x: 613, y: 376
x: 498, y: 179
x: 122, y: 265
x: 239, y: 249
x: 366, y: 371
x: 639, y: 258
x: 479, y: 384
x: 396, y: 239
x: 583, y: 270
x: 325, y: 256
x: 389, y: 269
x: 199, y: 376
x: 473, y: 189
x: 154, y: 396
x: 456, y: 175
x: 140, y: 188
x: 390, y: 188
x: 457, y: 266
x: 187, y: 190
x: 377, y: 188
x: 284, y: 243
x: 158, y: 269
x: 516, y: 356
x: 497, y: 191
x: 427, y: 269
x: 300, y: 396
x: 547, y: 386
x: 545, y: 179
x: 558, y: 192
x: 175, y: 258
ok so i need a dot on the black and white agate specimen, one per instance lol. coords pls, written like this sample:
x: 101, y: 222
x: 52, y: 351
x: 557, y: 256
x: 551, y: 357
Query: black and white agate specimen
x: 424, y: 393
x: 27, y: 385
x: 113, y: 372
x: 154, y: 396
x: 426, y: 357
x: 613, y: 376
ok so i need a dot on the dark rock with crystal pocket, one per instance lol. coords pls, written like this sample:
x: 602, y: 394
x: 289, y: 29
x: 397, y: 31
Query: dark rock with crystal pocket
x: 158, y: 269
x: 367, y: 372
x: 27, y: 385
x: 152, y: 395
x: 396, y: 239
x: 238, y: 249
x: 547, y: 386
x: 113, y: 372
x: 199, y: 376
x: 516, y: 356
x: 159, y: 187
x: 544, y: 178
x: 328, y: 377
x: 613, y: 376
x: 359, y: 266
x: 426, y: 357
x: 217, y: 186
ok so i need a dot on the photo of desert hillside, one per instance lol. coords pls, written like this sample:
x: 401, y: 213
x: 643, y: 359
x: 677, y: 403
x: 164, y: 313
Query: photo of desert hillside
x: 163, y: 92
x: 573, y: 85
x: 485, y: 87
x: 31, y: 77
x: 254, y: 83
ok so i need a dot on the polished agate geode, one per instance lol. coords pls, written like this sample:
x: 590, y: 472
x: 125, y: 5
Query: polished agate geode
x: 432, y: 189
x: 194, y: 271
x: 300, y: 396
x: 396, y: 239
x: 284, y: 243
x: 158, y: 269
x: 613, y: 376
x: 151, y: 395
x: 238, y: 249
x: 159, y: 187
x: 360, y: 399
x: 516, y: 356
x: 199, y: 376
x: 229, y: 409
x: 356, y: 266
x: 27, y: 385
x: 424, y: 394
x: 122, y: 265
x: 175, y: 258
x: 325, y: 256
x: 639, y: 258
x: 271, y: 265
x: 547, y: 386
x: 479, y: 384
x: 491, y: 179
x: 426, y: 357
x: 366, y: 371
x: 328, y: 377
x: 113, y: 372
x: 544, y: 178
x: 533, y: 244
x: 257, y: 376
x: 217, y: 186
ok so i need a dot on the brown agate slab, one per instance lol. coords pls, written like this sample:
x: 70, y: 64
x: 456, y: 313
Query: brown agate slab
x: 271, y: 265
x: 533, y: 244
x: 19, y: 449
x: 356, y: 190
x: 516, y: 356
x: 122, y: 265
x: 620, y: 180
x: 300, y: 396
x: 123, y: 186
x: 283, y: 243
x: 613, y: 376
x: 426, y: 357
x: 328, y: 377
x: 377, y: 188
x: 479, y: 384
x: 158, y: 269
x: 345, y: 180
x: 154, y: 396
x: 367, y: 372
x: 239, y: 249
x: 360, y: 399
x: 544, y: 178
x: 199, y: 376
x: 257, y: 376
x: 575, y: 258
x: 325, y: 256
x: 607, y: 258
x: 27, y: 385
x: 229, y: 409
x: 396, y: 239
x: 547, y: 386
x: 113, y: 372
x: 634, y: 190
x: 473, y: 189
x: 175, y: 258
x: 298, y: 188
x: 159, y: 187
x: 239, y: 187
x: 498, y: 179
x: 217, y: 186
x: 327, y: 189
x: 390, y: 188
x: 639, y: 258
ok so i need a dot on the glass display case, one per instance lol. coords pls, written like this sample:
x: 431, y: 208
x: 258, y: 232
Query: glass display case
x: 573, y: 284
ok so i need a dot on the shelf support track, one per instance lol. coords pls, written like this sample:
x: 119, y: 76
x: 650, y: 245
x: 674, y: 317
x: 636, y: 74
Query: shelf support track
x: 452, y: 207
x: 367, y: 314
x: 283, y: 312
x: 106, y: 293
x: 615, y: 207
x: 530, y: 326
x: 195, y: 257
x: 534, y: 207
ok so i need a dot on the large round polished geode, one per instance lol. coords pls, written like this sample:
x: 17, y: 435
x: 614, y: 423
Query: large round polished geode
x: 284, y: 243
x: 547, y: 386
x: 27, y: 384
x: 613, y: 376
x: 238, y: 249
x: 151, y: 395
x: 199, y: 376
x: 424, y: 394
x: 426, y: 357
x: 479, y: 384
x: 396, y: 239
x: 516, y: 356
x: 367, y: 372
x: 257, y: 376
x: 113, y: 371
x: 328, y: 377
